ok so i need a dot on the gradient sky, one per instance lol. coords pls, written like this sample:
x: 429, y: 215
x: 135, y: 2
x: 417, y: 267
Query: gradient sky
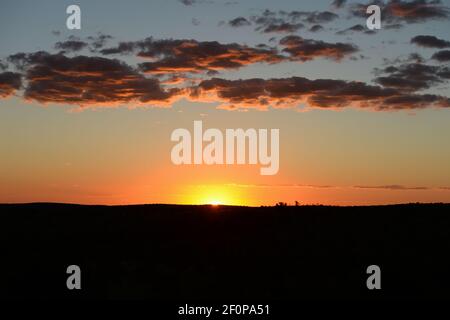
x: 119, y: 153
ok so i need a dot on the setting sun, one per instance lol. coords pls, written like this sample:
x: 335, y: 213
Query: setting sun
x: 213, y: 195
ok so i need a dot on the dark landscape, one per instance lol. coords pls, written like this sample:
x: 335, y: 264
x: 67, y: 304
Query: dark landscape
x: 197, y: 253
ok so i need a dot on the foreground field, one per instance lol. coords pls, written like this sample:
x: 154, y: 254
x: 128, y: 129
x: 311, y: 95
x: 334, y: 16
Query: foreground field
x: 168, y: 252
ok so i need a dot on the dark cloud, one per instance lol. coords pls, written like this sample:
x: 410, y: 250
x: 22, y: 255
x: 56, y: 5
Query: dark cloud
x: 442, y: 56
x: 320, y: 93
x: 285, y: 22
x: 98, y: 41
x: 122, y: 48
x: 356, y: 28
x: 183, y: 56
x: 86, y: 81
x: 315, y: 16
x: 402, y: 83
x: 416, y: 101
x: 99, y: 81
x: 74, y: 44
x: 413, y: 76
x: 308, y: 49
x: 397, y: 12
x: 192, y: 56
x: 284, y: 27
x: 19, y: 60
x: 239, y: 22
x: 412, y: 57
x: 3, y: 66
x: 71, y: 45
x: 175, y: 69
x: 188, y: 2
x: 417, y: 11
x: 430, y: 42
x: 415, y: 57
x: 10, y: 82
x: 338, y: 3
x: 194, y: 2
x: 316, y: 28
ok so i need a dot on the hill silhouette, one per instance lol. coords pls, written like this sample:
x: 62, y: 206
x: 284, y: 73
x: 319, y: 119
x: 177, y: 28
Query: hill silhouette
x: 170, y: 252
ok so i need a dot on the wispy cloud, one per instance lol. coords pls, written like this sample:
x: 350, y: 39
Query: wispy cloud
x: 284, y: 21
x: 392, y: 187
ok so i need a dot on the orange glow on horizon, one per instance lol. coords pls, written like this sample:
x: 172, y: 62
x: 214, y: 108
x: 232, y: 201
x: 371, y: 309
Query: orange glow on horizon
x: 213, y: 195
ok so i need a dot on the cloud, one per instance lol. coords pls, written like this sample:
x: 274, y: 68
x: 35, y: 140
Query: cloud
x: 85, y: 81
x: 338, y: 3
x: 9, y: 83
x: 285, y: 22
x: 176, y: 69
x: 416, y: 101
x: 442, y: 56
x: 397, y: 12
x: 392, y: 187
x: 192, y: 56
x: 193, y: 2
x: 74, y: 44
x: 413, y: 76
x: 71, y: 45
x: 98, y: 41
x: 19, y: 60
x: 412, y: 57
x: 287, y: 185
x: 122, y: 48
x: 308, y: 49
x: 356, y: 28
x: 312, y: 16
x: 430, y: 42
x: 316, y: 28
x: 187, y: 56
x: 187, y: 2
x: 239, y: 22
x: 416, y: 11
x: 284, y: 27
x: 321, y: 93
x: 98, y: 81
x: 3, y: 66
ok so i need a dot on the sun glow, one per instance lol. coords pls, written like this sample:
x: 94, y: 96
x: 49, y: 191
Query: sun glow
x: 213, y: 195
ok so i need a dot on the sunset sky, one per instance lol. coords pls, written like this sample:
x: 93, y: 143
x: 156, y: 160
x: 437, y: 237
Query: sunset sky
x: 86, y: 115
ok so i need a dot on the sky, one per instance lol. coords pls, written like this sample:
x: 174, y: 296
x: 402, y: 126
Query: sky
x: 86, y: 115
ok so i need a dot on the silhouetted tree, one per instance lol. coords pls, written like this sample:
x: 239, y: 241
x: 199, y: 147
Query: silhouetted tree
x: 281, y: 204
